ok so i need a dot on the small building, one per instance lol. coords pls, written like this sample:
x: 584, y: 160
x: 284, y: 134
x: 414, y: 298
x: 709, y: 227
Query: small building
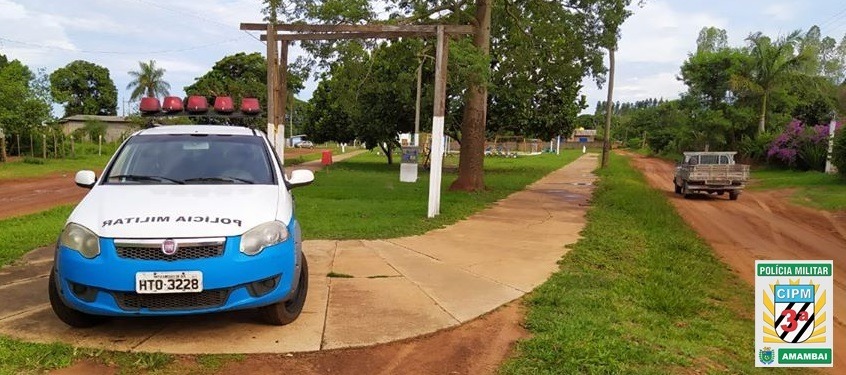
x: 583, y: 136
x: 117, y: 127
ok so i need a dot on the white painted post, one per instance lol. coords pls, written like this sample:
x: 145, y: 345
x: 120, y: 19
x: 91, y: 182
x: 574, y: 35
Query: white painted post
x: 437, y: 151
x: 829, y: 167
x: 558, y: 147
x: 343, y: 147
x: 99, y: 145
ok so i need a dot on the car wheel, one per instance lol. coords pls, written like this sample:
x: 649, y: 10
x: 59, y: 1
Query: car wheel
x: 733, y: 195
x: 678, y: 188
x: 686, y: 192
x: 66, y: 314
x: 285, y: 312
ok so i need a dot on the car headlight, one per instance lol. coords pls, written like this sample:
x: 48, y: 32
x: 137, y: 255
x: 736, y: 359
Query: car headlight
x: 264, y: 235
x: 79, y: 238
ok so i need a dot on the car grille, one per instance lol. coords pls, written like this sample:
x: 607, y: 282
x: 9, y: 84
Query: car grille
x: 152, y: 250
x: 172, y: 301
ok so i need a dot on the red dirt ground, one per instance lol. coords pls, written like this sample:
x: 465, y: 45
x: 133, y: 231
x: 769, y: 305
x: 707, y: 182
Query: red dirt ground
x: 477, y: 347
x: 763, y: 225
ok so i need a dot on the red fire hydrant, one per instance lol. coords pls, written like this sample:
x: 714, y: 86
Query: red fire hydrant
x: 327, y: 157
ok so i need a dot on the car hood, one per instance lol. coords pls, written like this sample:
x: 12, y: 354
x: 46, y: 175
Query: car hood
x: 179, y: 211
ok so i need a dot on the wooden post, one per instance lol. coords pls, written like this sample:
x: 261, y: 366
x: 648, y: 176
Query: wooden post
x: 44, y: 146
x: 31, y: 146
x: 282, y: 99
x: 832, y: 126
x: 18, y: 141
x: 271, y: 85
x: 99, y: 145
x: 606, y: 143
x: 2, y: 146
x: 416, y: 137
x: 436, y: 153
x: 73, y: 150
x: 55, y: 147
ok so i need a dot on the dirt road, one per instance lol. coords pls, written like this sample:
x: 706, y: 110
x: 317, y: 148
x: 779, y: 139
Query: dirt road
x: 762, y: 225
x: 26, y: 196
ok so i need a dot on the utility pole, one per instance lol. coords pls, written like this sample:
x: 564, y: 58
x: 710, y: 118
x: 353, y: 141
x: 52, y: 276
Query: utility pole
x: 436, y: 152
x: 829, y: 166
x: 2, y: 145
x: 606, y: 143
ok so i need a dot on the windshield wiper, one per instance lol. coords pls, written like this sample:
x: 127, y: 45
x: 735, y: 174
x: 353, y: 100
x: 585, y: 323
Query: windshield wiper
x: 220, y: 179
x: 136, y: 177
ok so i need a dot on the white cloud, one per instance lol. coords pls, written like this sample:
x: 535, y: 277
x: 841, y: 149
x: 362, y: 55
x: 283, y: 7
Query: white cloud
x: 659, y: 33
x: 780, y: 11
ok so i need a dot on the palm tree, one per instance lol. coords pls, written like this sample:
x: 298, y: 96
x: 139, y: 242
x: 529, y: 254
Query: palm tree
x: 771, y: 64
x: 148, y: 80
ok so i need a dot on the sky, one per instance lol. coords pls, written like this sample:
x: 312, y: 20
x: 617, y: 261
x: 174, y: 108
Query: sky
x: 186, y: 37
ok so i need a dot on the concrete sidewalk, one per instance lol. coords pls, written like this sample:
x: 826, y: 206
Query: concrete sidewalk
x: 398, y: 288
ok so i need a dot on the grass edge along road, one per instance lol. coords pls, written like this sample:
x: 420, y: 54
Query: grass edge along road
x: 639, y: 293
x: 503, y: 175
x: 814, y: 189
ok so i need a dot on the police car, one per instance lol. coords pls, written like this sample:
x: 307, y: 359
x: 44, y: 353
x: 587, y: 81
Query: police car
x: 184, y: 220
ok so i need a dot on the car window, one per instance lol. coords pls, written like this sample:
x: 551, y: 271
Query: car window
x: 192, y: 159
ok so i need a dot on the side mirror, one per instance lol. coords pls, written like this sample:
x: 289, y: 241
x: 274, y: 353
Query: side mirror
x: 85, y: 179
x: 300, y: 177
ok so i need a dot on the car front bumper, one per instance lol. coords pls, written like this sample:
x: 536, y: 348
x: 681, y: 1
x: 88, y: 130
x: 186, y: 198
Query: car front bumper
x: 105, y: 285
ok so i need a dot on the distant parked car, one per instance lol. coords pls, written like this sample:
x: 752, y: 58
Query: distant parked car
x: 305, y: 144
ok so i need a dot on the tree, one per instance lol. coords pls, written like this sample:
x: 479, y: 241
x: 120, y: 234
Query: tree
x: 21, y: 106
x: 770, y: 65
x: 148, y: 80
x: 590, y: 18
x: 708, y: 74
x: 711, y: 39
x: 85, y: 89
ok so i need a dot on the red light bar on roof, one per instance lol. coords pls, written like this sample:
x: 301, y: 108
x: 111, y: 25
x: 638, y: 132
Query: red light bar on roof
x: 197, y: 104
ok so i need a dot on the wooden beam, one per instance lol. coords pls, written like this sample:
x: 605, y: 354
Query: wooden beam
x: 336, y: 36
x: 303, y: 28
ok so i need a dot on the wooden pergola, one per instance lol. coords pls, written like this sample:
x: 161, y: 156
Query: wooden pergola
x: 279, y: 38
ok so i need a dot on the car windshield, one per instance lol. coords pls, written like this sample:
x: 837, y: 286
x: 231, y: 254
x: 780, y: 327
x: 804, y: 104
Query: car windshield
x: 192, y: 159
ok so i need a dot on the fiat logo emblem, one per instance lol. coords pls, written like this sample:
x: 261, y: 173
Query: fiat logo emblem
x: 169, y: 247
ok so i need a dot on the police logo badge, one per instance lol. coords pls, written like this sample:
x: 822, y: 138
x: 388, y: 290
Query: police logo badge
x: 766, y: 355
x: 794, y: 312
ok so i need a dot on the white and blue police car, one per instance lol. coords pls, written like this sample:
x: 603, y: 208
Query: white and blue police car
x: 184, y: 220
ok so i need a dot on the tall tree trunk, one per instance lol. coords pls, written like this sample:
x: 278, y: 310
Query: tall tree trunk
x: 762, y: 123
x: 606, y: 143
x: 471, y: 172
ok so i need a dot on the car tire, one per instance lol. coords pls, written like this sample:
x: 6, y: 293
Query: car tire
x: 66, y: 314
x: 733, y: 195
x: 686, y: 192
x: 677, y: 188
x: 285, y: 312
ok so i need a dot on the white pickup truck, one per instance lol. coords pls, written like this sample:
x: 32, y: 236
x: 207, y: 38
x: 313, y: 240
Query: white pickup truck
x: 710, y: 173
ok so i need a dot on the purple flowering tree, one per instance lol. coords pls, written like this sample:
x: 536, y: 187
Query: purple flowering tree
x: 801, y: 146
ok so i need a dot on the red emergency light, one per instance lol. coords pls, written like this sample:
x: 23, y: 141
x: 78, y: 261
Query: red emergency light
x: 250, y: 106
x: 172, y: 104
x: 197, y: 104
x: 223, y: 104
x: 149, y: 105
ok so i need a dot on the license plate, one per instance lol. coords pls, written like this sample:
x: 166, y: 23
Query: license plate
x: 168, y: 282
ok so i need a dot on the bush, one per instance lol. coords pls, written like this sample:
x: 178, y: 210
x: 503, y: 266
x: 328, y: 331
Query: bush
x: 29, y: 160
x: 755, y: 149
x: 839, y: 154
x: 634, y: 143
x: 800, y: 146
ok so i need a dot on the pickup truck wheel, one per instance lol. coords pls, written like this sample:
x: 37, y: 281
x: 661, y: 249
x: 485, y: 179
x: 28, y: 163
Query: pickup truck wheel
x: 678, y: 188
x: 66, y: 314
x: 686, y: 192
x: 733, y: 195
x: 285, y: 312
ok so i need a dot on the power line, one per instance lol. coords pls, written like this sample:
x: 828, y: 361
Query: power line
x: 832, y: 21
x: 190, y: 14
x: 105, y: 52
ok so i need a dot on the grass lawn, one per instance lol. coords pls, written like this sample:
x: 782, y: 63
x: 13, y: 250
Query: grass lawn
x: 22, y: 169
x: 23, y: 233
x: 362, y: 198
x: 813, y: 189
x: 641, y: 293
